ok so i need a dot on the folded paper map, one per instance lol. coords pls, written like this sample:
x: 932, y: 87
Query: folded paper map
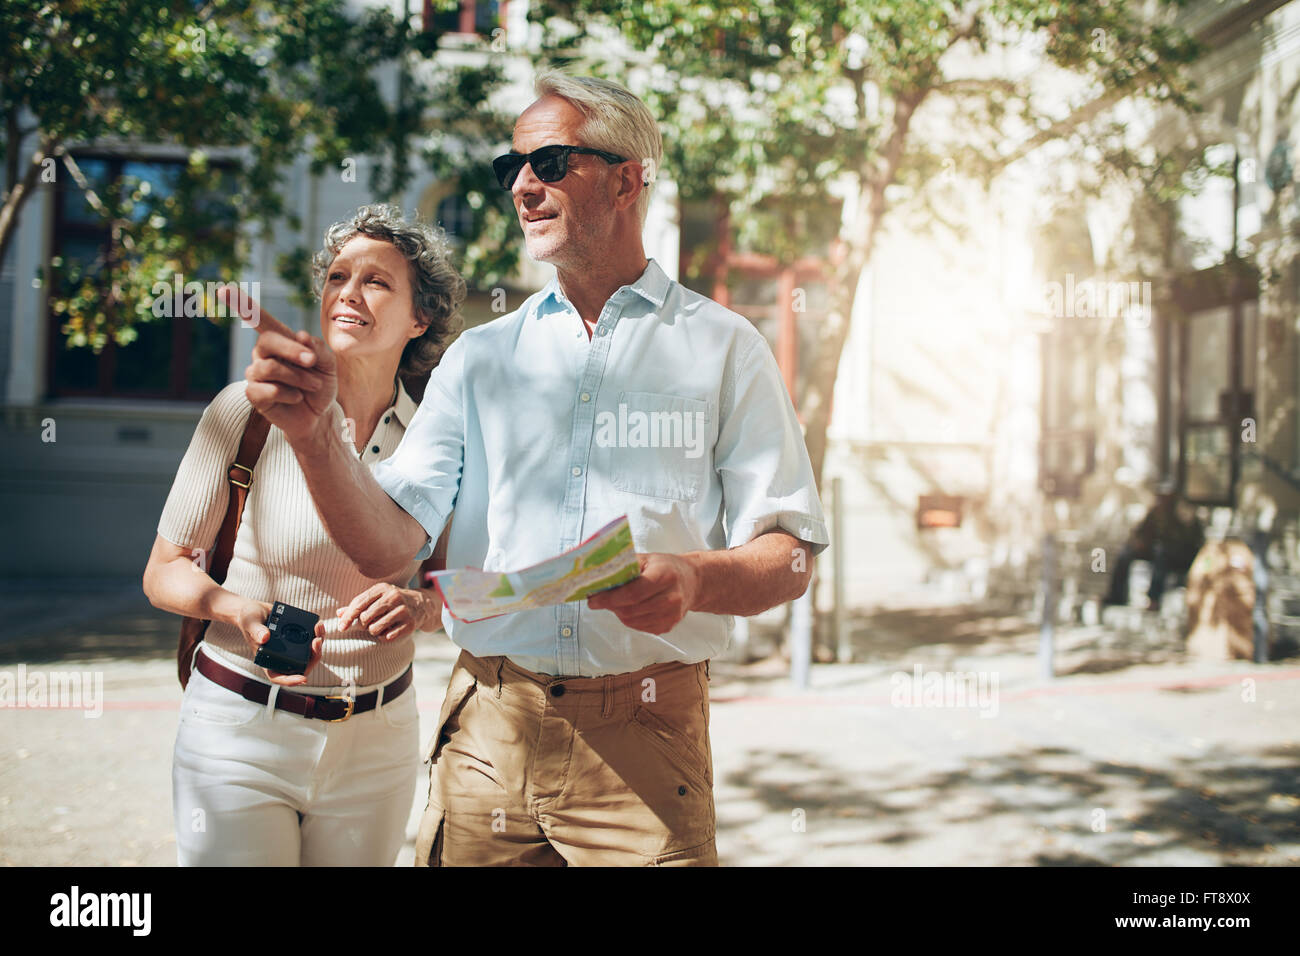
x: 605, y: 560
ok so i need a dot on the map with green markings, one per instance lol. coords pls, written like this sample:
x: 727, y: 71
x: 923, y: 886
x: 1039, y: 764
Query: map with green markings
x: 605, y: 560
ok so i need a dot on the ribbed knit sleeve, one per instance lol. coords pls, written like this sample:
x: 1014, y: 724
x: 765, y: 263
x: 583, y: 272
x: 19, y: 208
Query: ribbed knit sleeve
x: 199, y: 494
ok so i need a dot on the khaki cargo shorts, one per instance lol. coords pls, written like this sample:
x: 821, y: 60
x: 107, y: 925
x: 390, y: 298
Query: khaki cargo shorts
x: 533, y: 770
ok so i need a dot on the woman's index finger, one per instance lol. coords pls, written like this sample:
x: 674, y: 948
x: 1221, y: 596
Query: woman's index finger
x: 250, y: 312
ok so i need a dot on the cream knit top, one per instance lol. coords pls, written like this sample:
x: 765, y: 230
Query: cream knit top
x: 282, y: 551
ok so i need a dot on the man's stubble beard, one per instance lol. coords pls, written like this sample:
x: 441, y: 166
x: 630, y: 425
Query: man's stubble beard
x: 578, y: 248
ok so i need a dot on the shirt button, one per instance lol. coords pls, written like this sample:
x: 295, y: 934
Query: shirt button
x: 566, y: 631
x: 576, y: 471
x: 600, y: 331
x: 586, y: 396
x: 375, y: 449
x: 557, y: 690
x: 385, y: 419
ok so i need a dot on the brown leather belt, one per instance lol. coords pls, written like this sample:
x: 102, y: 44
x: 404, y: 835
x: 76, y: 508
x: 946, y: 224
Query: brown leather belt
x: 331, y: 707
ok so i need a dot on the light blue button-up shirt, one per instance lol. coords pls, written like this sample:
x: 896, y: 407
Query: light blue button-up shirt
x: 673, y: 412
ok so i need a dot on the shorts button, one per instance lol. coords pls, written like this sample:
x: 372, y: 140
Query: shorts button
x: 557, y: 690
x: 681, y: 791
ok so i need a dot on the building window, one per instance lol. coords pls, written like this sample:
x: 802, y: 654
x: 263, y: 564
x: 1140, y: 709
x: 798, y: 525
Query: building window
x: 456, y: 216
x: 1216, y: 345
x: 177, y: 358
x: 473, y: 17
x: 1067, y: 441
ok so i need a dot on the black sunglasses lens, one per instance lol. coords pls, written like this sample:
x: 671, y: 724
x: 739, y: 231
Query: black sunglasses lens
x: 550, y: 163
x: 507, y: 168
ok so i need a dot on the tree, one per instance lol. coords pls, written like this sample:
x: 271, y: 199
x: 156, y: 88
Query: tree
x: 265, y: 81
x: 789, y: 104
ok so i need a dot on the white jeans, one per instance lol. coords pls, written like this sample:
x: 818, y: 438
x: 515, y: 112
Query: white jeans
x: 254, y: 786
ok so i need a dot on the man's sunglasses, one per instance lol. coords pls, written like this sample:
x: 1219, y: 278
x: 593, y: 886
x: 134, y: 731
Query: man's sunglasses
x: 550, y: 163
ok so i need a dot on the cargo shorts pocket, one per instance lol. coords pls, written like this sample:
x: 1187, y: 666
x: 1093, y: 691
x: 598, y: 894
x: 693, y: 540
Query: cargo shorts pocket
x: 459, y: 689
x: 675, y: 745
x: 428, y: 839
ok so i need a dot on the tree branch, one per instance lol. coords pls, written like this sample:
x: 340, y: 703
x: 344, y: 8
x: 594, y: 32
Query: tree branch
x: 12, y: 142
x: 1086, y: 113
x: 967, y: 30
x: 93, y: 199
x: 966, y: 84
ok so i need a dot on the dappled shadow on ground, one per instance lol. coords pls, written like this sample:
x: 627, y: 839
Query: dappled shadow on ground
x: 1041, y: 806
x: 899, y: 631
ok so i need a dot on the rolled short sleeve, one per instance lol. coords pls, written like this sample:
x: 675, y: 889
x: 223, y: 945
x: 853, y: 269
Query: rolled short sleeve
x: 197, y: 502
x: 423, y: 474
x: 761, y: 458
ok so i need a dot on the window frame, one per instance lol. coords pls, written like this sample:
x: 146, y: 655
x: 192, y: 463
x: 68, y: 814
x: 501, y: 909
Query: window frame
x: 467, y: 22
x: 1232, y: 285
x: 179, y: 387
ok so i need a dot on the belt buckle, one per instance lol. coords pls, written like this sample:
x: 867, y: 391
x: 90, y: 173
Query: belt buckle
x: 351, y: 700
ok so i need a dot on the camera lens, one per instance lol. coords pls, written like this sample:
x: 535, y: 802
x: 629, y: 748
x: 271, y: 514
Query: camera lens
x: 294, y: 634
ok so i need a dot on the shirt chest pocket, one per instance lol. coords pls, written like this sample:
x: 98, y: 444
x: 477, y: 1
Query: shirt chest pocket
x: 661, y: 445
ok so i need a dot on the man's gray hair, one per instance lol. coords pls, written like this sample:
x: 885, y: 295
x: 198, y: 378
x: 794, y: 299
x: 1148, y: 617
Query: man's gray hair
x: 617, y: 122
x: 437, y: 288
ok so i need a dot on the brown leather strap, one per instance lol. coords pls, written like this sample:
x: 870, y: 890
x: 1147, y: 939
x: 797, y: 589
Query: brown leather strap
x: 305, y: 705
x: 240, y: 476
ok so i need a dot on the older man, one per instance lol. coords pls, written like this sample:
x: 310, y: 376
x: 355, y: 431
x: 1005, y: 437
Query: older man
x: 577, y: 734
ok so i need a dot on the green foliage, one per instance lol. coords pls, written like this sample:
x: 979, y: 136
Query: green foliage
x: 464, y: 137
x: 777, y: 99
x: 264, y: 82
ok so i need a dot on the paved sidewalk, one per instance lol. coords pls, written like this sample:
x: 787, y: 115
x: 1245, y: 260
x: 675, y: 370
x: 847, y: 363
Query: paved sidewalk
x: 1146, y: 759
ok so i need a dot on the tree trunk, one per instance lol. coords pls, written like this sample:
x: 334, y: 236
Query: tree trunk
x: 859, y: 238
x: 832, y: 334
x: 20, y: 191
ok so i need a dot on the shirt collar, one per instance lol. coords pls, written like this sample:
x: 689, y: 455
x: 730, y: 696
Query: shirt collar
x: 651, y: 285
x: 404, y: 407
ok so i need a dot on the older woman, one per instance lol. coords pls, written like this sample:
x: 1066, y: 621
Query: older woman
x: 263, y: 774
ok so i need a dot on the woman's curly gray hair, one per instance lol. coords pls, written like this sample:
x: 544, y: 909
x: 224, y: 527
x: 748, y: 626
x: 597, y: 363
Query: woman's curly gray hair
x: 437, y: 288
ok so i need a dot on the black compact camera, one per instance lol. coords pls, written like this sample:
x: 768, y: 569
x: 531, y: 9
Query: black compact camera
x: 288, y: 649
